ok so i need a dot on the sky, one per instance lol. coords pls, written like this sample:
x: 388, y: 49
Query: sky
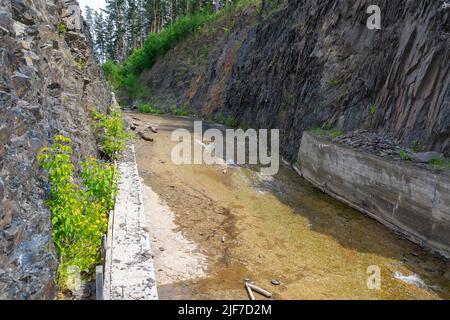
x: 94, y: 4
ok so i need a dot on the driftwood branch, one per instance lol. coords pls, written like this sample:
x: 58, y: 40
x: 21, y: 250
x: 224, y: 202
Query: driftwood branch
x: 250, y: 292
x: 265, y: 293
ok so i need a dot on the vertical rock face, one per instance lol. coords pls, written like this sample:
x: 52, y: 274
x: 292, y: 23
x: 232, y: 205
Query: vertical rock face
x: 49, y: 83
x: 316, y: 62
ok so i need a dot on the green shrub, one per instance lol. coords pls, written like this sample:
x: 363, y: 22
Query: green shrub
x: 81, y: 63
x: 149, y: 108
x: 62, y: 27
x: 111, y: 133
x: 405, y: 155
x: 181, y: 111
x: 228, y: 121
x: 112, y: 72
x: 79, y: 211
x: 100, y: 182
x: 440, y: 164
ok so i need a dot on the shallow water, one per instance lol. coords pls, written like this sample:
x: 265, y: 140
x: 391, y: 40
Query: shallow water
x: 251, y: 227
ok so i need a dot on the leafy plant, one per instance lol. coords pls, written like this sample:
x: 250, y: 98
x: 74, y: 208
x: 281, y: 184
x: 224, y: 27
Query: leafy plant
x: 79, y: 211
x: 100, y: 181
x: 111, y: 132
x: 405, y: 155
x: 112, y: 73
x: 81, y: 63
x: 62, y: 27
x: 373, y: 109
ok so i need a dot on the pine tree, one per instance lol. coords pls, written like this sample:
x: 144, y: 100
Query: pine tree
x: 100, y: 36
x: 109, y: 40
x: 117, y: 14
x: 89, y: 18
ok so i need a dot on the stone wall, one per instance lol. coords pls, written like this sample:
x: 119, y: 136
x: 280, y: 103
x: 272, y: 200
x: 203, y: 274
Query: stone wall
x: 49, y: 83
x: 403, y: 196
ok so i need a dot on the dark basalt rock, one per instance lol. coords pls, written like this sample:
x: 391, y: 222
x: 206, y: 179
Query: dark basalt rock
x: 426, y: 157
x: 316, y: 62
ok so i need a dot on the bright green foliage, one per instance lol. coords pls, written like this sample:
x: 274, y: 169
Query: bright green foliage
x: 405, y: 155
x: 100, y: 181
x: 373, y: 109
x: 149, y: 108
x: 112, y: 72
x: 111, y: 132
x: 81, y: 64
x: 79, y: 211
x: 62, y: 27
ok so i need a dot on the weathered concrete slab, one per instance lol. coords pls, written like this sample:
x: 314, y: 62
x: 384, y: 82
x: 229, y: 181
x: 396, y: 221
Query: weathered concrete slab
x: 406, y: 198
x: 129, y: 270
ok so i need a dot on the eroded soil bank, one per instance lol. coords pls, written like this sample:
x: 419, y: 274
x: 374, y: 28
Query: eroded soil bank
x: 212, y: 227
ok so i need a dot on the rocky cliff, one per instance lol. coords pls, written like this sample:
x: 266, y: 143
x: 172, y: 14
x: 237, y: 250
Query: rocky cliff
x: 49, y: 83
x: 312, y: 63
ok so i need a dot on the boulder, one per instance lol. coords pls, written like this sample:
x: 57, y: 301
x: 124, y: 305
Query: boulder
x: 426, y: 157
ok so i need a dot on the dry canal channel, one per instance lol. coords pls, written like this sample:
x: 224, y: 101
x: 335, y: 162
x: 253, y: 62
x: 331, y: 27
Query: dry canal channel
x: 212, y: 227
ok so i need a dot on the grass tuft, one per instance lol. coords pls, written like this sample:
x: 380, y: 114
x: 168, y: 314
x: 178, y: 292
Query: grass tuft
x: 326, y: 132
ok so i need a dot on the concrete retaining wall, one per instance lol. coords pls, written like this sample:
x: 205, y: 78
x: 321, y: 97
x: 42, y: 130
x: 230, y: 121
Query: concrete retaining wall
x: 129, y: 272
x: 402, y: 196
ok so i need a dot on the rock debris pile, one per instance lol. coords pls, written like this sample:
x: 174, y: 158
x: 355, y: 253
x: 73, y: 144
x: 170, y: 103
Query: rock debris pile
x: 385, y: 145
x: 382, y: 144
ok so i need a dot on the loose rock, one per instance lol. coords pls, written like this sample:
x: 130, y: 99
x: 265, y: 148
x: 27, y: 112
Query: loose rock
x: 426, y: 157
x: 275, y: 282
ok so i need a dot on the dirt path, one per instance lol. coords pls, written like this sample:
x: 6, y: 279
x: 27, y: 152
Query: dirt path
x: 211, y: 229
